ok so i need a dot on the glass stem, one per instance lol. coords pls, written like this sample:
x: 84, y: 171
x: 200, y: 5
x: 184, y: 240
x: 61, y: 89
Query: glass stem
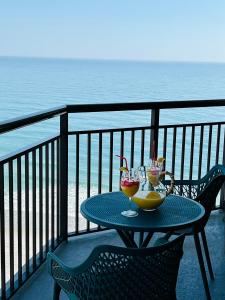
x: 130, y: 201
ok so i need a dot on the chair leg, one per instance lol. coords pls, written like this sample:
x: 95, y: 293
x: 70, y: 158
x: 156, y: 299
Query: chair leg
x: 202, y: 267
x: 56, y: 291
x: 207, y: 254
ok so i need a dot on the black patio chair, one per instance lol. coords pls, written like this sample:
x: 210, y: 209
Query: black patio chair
x: 204, y: 191
x: 112, y: 272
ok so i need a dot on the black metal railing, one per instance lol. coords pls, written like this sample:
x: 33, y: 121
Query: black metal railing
x: 29, y: 201
x: 190, y: 151
x: 43, y: 185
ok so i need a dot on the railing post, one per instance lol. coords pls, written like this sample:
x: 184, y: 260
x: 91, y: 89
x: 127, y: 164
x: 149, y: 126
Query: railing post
x: 222, y: 193
x: 154, y: 133
x: 63, y: 183
x: 2, y: 235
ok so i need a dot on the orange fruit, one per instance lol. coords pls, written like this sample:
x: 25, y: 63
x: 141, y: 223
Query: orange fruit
x: 153, y: 195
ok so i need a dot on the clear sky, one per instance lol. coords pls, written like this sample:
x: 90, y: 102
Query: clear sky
x: 177, y: 30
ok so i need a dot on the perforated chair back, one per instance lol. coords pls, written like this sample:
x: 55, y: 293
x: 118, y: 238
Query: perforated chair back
x: 113, y: 272
x: 204, y: 191
x: 208, y: 189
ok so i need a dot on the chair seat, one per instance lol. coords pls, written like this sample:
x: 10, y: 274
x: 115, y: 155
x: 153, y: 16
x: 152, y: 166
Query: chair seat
x: 186, y: 231
x: 160, y: 241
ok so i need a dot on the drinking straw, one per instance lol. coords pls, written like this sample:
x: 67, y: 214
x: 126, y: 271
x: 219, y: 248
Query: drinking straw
x: 123, y: 158
x: 153, y: 151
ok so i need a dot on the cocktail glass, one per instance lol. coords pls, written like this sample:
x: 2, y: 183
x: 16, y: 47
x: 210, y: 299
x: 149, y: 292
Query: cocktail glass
x: 129, y: 185
x: 154, y: 172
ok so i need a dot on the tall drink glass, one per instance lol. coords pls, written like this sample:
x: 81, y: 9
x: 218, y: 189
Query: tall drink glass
x: 129, y: 185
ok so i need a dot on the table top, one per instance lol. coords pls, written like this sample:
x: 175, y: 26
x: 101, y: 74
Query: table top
x: 176, y: 212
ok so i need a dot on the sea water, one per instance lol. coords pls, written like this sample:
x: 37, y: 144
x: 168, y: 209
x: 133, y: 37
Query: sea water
x: 29, y: 85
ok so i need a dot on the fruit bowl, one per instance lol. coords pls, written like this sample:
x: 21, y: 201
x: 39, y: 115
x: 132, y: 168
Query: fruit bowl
x: 149, y: 200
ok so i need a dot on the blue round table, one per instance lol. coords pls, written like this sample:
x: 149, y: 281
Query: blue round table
x: 174, y: 214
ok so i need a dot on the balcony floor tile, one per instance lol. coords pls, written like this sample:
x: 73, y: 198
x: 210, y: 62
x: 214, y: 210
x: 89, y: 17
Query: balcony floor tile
x: 189, y: 285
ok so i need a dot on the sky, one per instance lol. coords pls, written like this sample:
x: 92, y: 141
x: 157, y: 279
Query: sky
x: 165, y: 30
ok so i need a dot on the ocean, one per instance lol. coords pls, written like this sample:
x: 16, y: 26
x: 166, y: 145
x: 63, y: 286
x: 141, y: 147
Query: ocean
x: 29, y: 85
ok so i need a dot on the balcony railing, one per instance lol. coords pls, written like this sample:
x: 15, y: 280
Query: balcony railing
x: 39, y: 202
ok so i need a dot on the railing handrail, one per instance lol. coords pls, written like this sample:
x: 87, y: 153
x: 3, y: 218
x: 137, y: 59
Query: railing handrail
x: 30, y: 119
x: 26, y: 120
x: 83, y: 108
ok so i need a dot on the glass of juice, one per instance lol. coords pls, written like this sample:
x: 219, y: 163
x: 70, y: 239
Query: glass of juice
x: 129, y: 185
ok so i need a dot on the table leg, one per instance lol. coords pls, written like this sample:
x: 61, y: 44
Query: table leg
x: 141, y: 238
x: 127, y: 238
x: 146, y: 240
x: 132, y: 234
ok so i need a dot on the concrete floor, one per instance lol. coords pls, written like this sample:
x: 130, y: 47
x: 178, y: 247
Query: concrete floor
x: 189, y: 285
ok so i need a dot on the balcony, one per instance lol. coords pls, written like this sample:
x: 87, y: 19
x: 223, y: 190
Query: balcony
x: 43, y: 185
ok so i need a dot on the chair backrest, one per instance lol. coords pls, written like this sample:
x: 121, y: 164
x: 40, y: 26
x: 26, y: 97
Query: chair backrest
x: 209, y: 187
x: 113, y: 272
x: 198, y: 190
x: 191, y: 188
